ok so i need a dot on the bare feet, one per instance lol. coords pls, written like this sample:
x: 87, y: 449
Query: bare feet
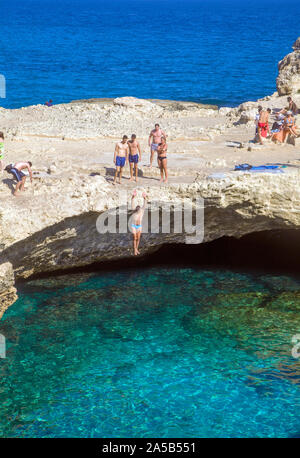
x: 131, y: 179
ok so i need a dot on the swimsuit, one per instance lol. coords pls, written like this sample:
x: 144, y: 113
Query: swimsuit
x: 1, y: 150
x: 162, y: 151
x: 154, y: 146
x: 137, y: 227
x: 120, y: 161
x: 264, y: 128
x: 161, y: 158
x: 17, y: 173
x: 134, y: 158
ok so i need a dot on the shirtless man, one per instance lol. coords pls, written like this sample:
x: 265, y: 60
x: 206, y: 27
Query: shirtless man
x: 16, y: 170
x: 135, y: 156
x: 136, y: 225
x: 263, y: 124
x: 121, y: 157
x: 155, y: 136
x: 291, y: 107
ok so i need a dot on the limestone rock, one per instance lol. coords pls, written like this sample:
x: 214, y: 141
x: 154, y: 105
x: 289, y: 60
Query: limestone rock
x: 288, y: 80
x: 132, y: 102
x: 8, y: 294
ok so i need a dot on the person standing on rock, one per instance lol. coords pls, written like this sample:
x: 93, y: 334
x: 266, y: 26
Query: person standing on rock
x: 135, y: 156
x: 136, y: 221
x: 259, y: 109
x: 162, y: 160
x: 263, y: 125
x: 154, y: 140
x: 121, y: 157
x: 16, y: 171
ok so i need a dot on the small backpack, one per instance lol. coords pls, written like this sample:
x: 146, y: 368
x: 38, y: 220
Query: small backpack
x: 8, y: 168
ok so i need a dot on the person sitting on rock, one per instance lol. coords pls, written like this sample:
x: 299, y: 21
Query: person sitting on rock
x: 135, y: 156
x: 16, y: 171
x: 289, y: 125
x: 121, y: 157
x: 291, y: 107
x: 136, y: 221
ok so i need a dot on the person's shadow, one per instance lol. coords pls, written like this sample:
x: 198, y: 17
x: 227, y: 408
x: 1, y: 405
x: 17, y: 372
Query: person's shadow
x: 9, y: 182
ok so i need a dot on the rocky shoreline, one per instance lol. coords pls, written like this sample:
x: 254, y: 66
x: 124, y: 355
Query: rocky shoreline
x: 53, y: 225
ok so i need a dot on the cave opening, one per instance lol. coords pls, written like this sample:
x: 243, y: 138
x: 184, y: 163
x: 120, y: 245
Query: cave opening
x: 275, y: 251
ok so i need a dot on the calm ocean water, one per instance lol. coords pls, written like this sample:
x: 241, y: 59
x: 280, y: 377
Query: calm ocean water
x: 216, y: 51
x: 174, y: 352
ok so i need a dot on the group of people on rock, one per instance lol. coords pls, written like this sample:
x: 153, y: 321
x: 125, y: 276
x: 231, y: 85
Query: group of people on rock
x: 283, y: 125
x: 129, y: 151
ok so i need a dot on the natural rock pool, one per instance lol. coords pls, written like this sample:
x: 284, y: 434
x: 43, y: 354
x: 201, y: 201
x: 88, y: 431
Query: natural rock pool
x: 168, y: 352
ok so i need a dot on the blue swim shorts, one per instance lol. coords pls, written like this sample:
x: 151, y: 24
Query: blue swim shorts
x: 154, y: 146
x: 134, y: 158
x: 120, y: 161
x: 18, y: 175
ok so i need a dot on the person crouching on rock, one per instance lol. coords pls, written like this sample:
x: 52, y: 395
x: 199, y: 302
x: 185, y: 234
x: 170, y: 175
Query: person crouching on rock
x: 121, y: 157
x: 162, y: 160
x: 136, y: 222
x: 16, y: 171
x: 135, y: 156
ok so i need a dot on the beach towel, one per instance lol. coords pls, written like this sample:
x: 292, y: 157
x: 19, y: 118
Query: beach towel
x: 273, y: 168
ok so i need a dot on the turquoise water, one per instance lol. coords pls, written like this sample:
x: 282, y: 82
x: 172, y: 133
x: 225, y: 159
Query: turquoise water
x: 163, y: 352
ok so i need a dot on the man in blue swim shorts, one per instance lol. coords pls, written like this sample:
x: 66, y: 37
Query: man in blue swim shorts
x: 16, y: 171
x: 135, y: 156
x: 121, y: 157
x: 136, y: 221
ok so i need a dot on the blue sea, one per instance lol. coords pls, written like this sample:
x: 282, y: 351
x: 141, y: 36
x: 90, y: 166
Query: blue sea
x: 213, y: 51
